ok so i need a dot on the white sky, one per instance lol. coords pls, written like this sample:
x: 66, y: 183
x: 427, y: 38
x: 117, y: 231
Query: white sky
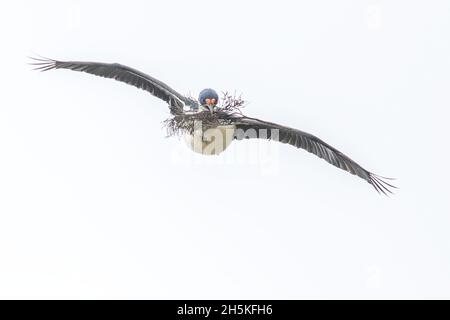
x: 95, y: 202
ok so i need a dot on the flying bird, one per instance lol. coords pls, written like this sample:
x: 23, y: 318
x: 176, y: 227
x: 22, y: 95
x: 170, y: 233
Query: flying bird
x: 210, y: 127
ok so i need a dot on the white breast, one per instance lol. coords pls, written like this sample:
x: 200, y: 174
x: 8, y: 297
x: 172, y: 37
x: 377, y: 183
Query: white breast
x: 211, y: 141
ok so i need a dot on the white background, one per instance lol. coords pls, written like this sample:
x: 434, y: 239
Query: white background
x: 96, y: 203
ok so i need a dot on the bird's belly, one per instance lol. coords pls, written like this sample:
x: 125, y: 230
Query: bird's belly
x: 212, y: 141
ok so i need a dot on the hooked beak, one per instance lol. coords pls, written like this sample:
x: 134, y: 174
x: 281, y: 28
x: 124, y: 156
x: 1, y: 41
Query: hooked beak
x: 210, y: 108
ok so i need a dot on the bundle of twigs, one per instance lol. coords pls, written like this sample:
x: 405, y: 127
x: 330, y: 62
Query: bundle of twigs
x: 231, y: 103
x: 229, y: 108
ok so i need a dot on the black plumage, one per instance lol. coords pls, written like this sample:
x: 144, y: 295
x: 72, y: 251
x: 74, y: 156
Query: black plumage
x: 245, y: 127
x: 248, y: 128
x: 121, y: 73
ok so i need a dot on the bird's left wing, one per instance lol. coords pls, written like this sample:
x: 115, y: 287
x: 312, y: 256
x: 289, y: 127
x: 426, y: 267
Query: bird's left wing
x: 121, y: 73
x: 247, y: 127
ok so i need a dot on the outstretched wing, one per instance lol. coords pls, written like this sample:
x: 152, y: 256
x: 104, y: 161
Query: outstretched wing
x: 247, y: 127
x: 121, y: 73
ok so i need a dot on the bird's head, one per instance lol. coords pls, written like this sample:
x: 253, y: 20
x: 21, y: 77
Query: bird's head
x: 208, y: 99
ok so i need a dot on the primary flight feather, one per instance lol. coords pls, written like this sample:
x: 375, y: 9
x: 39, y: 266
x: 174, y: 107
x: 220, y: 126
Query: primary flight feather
x: 219, y: 125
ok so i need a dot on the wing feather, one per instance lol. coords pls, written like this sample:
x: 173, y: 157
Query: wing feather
x: 312, y: 144
x: 120, y: 73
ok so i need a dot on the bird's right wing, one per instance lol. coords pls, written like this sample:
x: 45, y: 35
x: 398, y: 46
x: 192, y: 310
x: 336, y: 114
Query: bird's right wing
x: 121, y: 73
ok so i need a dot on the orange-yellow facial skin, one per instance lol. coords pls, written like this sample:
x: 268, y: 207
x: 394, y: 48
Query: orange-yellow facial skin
x: 210, y: 101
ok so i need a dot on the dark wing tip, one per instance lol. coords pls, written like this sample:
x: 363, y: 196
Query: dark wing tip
x: 380, y: 184
x: 42, y: 64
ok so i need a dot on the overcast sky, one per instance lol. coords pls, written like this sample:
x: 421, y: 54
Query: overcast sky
x: 96, y: 202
